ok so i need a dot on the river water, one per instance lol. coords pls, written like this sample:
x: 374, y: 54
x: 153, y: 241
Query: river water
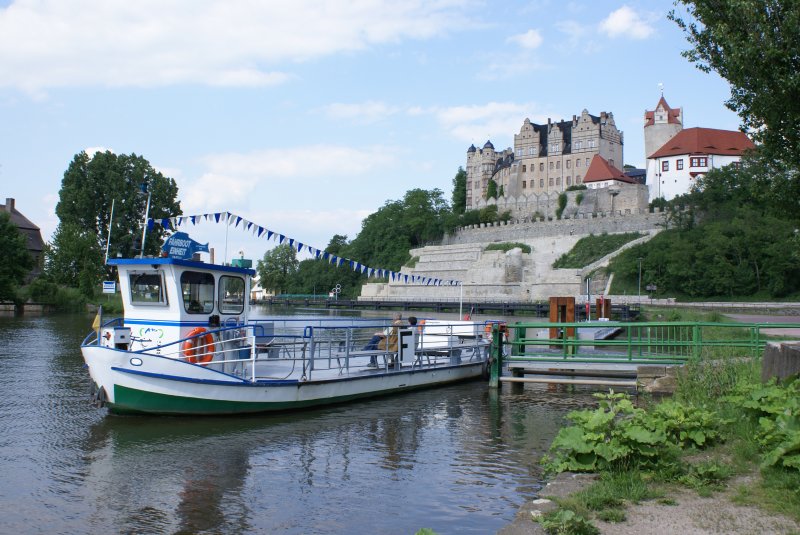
x: 457, y: 459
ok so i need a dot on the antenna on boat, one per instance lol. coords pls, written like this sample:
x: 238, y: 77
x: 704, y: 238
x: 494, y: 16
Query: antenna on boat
x: 110, y: 223
x: 144, y: 222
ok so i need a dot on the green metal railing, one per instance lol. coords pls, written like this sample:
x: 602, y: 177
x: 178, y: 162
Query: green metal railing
x: 638, y: 343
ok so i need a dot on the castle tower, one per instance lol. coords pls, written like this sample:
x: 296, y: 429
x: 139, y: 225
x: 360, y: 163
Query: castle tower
x: 660, y: 125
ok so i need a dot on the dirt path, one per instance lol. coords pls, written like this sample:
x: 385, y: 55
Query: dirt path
x: 690, y: 515
x: 695, y: 515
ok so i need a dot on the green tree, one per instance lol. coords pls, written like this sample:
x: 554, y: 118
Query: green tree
x: 277, y: 267
x: 460, y: 192
x: 491, y: 190
x: 88, y: 188
x: 75, y: 258
x: 387, y: 235
x: 16, y: 261
x: 753, y: 44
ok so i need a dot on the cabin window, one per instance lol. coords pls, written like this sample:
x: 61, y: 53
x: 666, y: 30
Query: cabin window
x: 231, y: 295
x: 198, y: 292
x: 147, y: 288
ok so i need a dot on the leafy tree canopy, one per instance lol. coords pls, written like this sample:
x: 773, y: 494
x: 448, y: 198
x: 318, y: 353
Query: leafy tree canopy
x: 460, y: 192
x: 753, y: 44
x: 89, y: 187
x: 277, y: 268
x: 16, y: 261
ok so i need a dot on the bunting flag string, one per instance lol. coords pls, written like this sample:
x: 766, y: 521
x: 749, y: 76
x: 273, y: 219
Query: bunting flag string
x: 172, y: 223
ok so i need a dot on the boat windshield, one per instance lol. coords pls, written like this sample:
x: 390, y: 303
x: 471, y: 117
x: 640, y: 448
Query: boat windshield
x: 147, y: 288
x: 231, y: 295
x: 198, y: 292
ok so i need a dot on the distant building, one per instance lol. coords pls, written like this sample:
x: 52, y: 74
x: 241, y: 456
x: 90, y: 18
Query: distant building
x: 638, y: 175
x: 673, y: 169
x: 545, y: 160
x: 32, y: 233
x: 601, y: 174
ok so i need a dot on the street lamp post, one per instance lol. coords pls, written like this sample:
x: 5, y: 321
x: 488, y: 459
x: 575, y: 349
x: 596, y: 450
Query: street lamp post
x: 639, y: 292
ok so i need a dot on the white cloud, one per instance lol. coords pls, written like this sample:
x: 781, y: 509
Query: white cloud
x: 365, y: 112
x: 91, y: 151
x: 475, y: 124
x: 626, y: 22
x: 148, y: 43
x: 529, y: 40
x: 259, y: 173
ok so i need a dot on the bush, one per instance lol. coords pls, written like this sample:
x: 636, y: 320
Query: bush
x: 507, y: 246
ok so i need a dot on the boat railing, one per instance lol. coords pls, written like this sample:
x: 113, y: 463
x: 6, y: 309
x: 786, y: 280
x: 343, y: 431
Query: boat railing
x: 238, y: 349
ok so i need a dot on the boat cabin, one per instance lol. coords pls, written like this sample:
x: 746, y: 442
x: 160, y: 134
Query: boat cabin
x: 164, y: 299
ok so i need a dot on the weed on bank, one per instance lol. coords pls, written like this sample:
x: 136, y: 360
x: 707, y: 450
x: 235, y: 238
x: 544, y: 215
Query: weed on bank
x: 722, y: 422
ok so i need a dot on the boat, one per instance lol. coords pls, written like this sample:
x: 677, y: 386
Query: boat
x: 187, y: 345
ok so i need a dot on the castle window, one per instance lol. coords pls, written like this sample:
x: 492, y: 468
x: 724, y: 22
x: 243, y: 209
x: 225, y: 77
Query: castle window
x: 551, y: 166
x: 698, y: 162
x: 611, y: 162
x: 551, y: 181
x: 577, y: 163
x: 558, y: 165
x: 558, y: 181
x: 578, y: 145
x: 523, y: 168
x: 588, y: 160
x: 541, y: 166
x: 577, y: 179
x: 665, y: 166
x: 530, y: 151
x: 524, y: 184
x: 679, y: 164
x: 569, y: 163
x: 519, y: 152
x: 569, y: 181
x: 541, y: 182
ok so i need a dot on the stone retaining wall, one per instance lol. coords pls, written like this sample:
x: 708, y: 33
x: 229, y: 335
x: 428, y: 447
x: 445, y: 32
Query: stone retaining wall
x: 582, y: 225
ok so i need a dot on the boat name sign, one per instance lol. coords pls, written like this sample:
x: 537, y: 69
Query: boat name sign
x: 181, y: 246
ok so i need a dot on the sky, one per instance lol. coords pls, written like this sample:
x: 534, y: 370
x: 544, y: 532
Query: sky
x: 304, y: 117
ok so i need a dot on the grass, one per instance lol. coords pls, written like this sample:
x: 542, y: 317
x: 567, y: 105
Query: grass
x: 593, y: 248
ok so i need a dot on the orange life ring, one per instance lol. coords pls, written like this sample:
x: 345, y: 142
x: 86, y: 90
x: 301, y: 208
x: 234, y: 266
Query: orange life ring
x: 199, y: 349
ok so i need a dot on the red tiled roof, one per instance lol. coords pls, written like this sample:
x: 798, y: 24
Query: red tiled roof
x: 705, y: 141
x: 672, y: 115
x: 600, y: 170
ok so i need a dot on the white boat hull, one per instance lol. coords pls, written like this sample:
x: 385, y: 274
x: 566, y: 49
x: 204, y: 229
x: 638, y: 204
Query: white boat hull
x: 132, y: 382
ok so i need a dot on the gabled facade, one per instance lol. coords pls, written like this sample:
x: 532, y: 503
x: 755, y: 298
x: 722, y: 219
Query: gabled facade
x: 32, y: 234
x: 673, y: 169
x: 601, y: 174
x: 546, y: 158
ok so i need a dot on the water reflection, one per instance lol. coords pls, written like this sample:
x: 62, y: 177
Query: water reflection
x: 459, y: 459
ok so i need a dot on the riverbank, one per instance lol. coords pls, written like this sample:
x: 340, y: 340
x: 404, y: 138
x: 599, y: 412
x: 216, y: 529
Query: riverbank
x: 680, y: 510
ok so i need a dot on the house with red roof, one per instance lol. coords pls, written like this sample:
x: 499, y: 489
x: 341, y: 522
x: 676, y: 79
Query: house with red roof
x: 673, y: 169
x: 601, y: 174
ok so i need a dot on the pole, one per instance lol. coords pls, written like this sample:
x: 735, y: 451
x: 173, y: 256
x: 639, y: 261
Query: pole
x: 639, y: 292
x: 110, y: 222
x: 460, y: 300
x: 144, y: 224
x: 227, y: 225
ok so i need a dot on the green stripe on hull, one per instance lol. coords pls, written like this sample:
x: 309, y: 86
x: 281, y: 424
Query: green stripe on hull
x: 134, y: 401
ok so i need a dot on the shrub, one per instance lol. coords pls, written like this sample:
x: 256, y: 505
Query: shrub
x: 507, y: 246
